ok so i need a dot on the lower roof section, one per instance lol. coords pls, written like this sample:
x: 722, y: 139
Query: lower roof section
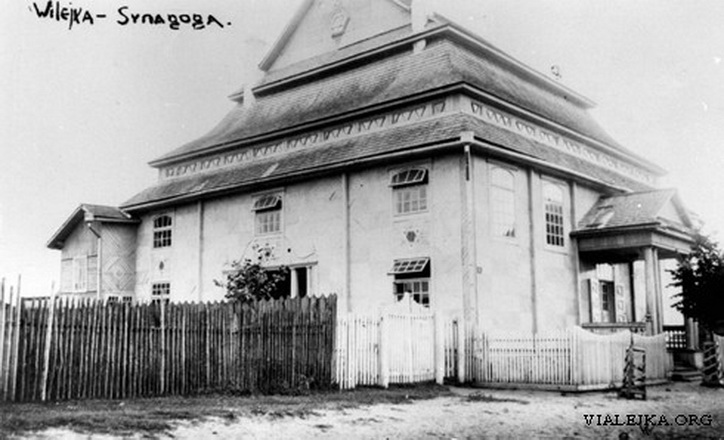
x: 430, y: 136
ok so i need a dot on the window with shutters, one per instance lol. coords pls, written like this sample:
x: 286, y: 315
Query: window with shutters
x: 554, y: 218
x: 503, y: 202
x: 409, y: 191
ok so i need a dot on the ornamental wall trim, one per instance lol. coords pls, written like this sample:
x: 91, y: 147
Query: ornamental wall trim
x: 549, y: 138
x: 351, y: 129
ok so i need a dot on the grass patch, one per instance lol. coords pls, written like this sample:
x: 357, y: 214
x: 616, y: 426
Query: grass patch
x: 154, y: 416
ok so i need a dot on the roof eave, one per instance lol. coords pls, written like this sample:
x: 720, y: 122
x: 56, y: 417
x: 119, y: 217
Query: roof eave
x: 286, y: 34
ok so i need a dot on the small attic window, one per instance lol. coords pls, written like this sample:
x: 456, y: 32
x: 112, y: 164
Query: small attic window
x: 412, y: 176
x: 268, y: 202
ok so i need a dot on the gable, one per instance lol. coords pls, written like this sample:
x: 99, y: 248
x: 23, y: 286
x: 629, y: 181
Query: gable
x: 325, y: 25
x: 672, y: 213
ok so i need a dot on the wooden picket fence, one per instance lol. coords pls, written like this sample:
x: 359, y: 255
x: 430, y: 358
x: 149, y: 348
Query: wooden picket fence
x: 62, y: 349
x: 389, y: 348
x: 574, y: 359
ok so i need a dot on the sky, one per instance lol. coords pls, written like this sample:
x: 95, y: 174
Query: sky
x: 83, y: 110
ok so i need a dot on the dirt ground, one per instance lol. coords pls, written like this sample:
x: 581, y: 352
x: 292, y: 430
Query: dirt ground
x: 679, y: 410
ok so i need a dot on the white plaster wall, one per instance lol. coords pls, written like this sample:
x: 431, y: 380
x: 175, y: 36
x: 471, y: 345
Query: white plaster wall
x: 505, y: 282
x: 378, y: 236
x: 555, y: 269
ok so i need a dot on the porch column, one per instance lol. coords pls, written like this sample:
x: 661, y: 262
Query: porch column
x: 652, y: 289
x: 692, y: 334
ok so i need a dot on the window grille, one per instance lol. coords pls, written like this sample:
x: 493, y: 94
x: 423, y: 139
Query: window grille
x: 413, y: 176
x: 268, y: 216
x: 162, y: 231
x: 555, y: 229
x: 409, y: 266
x: 410, y: 191
x: 160, y: 293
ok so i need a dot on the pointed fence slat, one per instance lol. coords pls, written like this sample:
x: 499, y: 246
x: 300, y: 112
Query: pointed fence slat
x: 62, y: 349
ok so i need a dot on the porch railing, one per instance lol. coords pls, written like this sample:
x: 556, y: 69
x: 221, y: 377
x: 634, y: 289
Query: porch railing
x: 607, y: 328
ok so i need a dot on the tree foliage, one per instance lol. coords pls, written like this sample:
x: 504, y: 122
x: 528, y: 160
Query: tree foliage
x: 250, y: 281
x: 700, y: 279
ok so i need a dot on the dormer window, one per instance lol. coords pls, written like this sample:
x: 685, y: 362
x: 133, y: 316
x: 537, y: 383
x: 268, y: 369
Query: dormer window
x: 409, y: 188
x: 268, y: 217
x: 162, y: 226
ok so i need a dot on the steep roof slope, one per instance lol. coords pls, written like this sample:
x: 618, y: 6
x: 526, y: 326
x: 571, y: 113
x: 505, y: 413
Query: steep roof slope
x: 398, y: 76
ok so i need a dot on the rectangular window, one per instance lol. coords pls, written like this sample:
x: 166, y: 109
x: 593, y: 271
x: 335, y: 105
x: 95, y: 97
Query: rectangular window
x: 160, y: 293
x: 268, y: 222
x: 80, y: 274
x: 555, y: 229
x: 268, y: 214
x: 409, y: 188
x: 162, y: 227
x: 418, y: 289
x: 412, y: 279
x: 410, y: 199
x: 608, y: 301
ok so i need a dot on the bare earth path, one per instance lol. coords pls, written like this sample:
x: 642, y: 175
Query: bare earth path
x: 690, y: 411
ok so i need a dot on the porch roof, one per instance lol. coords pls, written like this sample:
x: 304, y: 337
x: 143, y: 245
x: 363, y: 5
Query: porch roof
x: 88, y: 213
x: 649, y: 218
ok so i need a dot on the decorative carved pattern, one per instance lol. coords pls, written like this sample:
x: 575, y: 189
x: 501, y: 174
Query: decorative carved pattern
x: 559, y: 142
x: 350, y: 129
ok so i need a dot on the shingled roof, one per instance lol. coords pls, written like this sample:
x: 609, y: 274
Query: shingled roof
x: 635, y: 210
x: 345, y: 153
x: 87, y: 212
x: 402, y: 75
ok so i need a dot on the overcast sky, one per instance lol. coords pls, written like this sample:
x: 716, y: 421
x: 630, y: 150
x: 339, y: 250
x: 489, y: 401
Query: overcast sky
x: 83, y: 110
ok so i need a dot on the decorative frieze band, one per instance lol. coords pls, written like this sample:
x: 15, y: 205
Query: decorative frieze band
x: 551, y: 139
x: 350, y: 129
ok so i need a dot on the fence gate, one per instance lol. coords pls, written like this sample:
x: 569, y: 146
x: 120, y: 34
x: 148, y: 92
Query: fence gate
x: 402, y: 344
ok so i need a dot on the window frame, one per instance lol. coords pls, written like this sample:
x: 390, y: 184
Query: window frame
x: 510, y: 194
x: 268, y: 213
x: 162, y: 236
x: 554, y: 232
x: 423, y: 295
x: 79, y: 286
x: 412, y: 183
x: 412, y: 271
x: 163, y: 297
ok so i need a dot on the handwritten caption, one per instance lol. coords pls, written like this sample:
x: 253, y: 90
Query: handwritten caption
x: 124, y: 16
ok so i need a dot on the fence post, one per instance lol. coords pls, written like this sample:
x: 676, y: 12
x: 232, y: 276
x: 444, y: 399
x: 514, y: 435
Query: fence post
x: 439, y: 348
x: 162, y: 370
x: 461, y: 350
x: 15, y: 347
x: 3, y: 319
x: 382, y: 354
x: 46, y: 351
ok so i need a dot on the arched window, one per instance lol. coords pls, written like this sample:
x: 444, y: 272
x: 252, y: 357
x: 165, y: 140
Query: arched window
x: 409, y: 189
x: 503, y: 202
x: 555, y: 229
x: 162, y: 226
